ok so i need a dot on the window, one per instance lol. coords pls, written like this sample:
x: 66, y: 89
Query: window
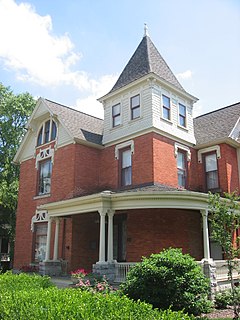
x: 211, y: 170
x: 116, y: 115
x: 47, y: 132
x: 45, y: 172
x: 182, y: 168
x: 135, y: 107
x: 126, y: 167
x: 182, y: 115
x: 40, y: 241
x: 166, y: 107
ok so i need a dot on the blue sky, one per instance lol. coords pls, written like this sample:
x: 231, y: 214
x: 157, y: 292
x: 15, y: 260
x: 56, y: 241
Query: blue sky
x: 72, y: 51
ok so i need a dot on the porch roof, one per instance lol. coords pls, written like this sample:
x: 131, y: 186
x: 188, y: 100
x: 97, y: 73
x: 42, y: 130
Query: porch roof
x: 138, y: 198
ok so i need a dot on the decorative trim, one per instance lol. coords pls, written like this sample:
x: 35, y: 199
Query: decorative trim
x: 120, y: 146
x: 44, y: 154
x: 40, y: 216
x: 209, y: 149
x: 182, y: 147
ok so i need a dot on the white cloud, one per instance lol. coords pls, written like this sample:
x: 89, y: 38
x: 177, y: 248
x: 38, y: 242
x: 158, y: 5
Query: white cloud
x: 30, y: 49
x: 99, y: 88
x: 185, y: 75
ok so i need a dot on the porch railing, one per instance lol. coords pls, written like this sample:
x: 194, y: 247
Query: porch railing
x: 222, y: 270
x: 121, y: 270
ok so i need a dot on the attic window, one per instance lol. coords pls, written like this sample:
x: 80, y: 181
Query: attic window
x: 47, y: 132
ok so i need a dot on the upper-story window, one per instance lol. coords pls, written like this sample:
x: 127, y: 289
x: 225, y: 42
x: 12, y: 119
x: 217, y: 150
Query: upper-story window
x: 44, y: 178
x: 211, y: 171
x: 182, y: 115
x: 166, y: 107
x: 135, y: 107
x: 182, y: 168
x: 116, y: 115
x: 126, y: 167
x: 47, y: 132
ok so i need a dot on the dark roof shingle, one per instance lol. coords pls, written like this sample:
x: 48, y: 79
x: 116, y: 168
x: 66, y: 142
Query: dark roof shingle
x: 217, y: 124
x: 146, y: 59
x: 80, y: 125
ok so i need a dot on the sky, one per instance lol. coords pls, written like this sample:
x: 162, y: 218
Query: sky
x: 72, y: 51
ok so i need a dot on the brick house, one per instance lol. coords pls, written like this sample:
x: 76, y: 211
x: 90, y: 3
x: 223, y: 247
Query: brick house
x: 103, y: 193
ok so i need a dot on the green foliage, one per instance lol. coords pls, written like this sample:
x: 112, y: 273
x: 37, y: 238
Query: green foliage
x: 169, y: 278
x: 25, y: 297
x: 223, y: 299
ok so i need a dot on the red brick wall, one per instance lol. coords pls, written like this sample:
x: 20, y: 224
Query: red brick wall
x: 150, y: 231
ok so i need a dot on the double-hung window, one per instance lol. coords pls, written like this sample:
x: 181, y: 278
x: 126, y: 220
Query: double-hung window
x: 166, y: 107
x: 40, y: 241
x: 135, y: 107
x: 45, y: 173
x: 182, y: 168
x: 116, y: 115
x: 126, y: 167
x: 211, y: 171
x: 182, y: 115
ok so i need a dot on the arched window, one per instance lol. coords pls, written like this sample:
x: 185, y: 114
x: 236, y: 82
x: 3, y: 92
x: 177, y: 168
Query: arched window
x: 47, y: 132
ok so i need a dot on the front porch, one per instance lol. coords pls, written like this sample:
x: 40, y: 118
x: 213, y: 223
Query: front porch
x: 155, y: 220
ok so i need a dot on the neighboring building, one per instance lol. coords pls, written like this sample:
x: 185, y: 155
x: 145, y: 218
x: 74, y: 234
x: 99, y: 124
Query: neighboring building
x: 100, y: 192
x: 4, y: 239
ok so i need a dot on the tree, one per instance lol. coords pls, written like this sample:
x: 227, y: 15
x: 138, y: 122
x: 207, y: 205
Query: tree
x: 14, y: 113
x: 225, y: 223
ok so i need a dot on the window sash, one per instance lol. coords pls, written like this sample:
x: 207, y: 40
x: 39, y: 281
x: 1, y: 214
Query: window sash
x: 45, y: 172
x: 182, y: 115
x: 126, y: 168
x: 116, y: 115
x: 47, y: 133
x: 40, y: 241
x: 135, y: 107
x: 182, y: 169
x: 211, y: 171
x: 166, y: 107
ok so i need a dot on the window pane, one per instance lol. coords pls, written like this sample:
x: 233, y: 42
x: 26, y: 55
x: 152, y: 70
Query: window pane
x: 181, y: 160
x: 212, y: 180
x: 127, y: 176
x: 135, y: 101
x: 166, y: 113
x: 182, y: 110
x: 126, y: 159
x: 45, y: 170
x: 136, y: 113
x: 116, y: 109
x: 39, y: 140
x: 54, y: 131
x: 46, y: 131
x: 166, y: 101
x: 182, y: 121
x: 181, y: 178
x: 211, y: 162
x: 116, y: 121
x: 41, y: 241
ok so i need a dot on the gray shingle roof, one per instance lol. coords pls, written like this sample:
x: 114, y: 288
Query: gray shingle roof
x: 79, y: 124
x: 146, y: 59
x: 216, y: 124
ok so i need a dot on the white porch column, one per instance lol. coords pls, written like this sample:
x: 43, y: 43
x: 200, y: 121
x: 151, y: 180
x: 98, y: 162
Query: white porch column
x: 110, y: 235
x: 205, y: 234
x: 49, y: 232
x: 56, y: 239
x: 102, y: 237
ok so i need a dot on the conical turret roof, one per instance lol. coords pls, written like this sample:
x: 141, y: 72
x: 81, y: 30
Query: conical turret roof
x: 146, y: 59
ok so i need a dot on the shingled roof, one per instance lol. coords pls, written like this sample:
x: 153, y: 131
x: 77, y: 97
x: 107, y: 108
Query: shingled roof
x: 146, y: 59
x: 81, y: 125
x: 217, y: 124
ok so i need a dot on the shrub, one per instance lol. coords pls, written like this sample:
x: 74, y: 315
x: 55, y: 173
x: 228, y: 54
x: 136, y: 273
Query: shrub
x: 223, y: 299
x: 169, y: 278
x: 56, y: 304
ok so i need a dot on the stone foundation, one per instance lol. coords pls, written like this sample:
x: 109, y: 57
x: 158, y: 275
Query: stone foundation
x: 107, y: 269
x: 209, y: 269
x: 50, y: 268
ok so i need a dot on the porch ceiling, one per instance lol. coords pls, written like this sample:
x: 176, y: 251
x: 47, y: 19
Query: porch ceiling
x: 108, y: 200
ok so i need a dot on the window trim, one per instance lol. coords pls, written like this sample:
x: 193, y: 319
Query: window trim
x: 164, y: 107
x: 116, y: 115
x: 135, y: 107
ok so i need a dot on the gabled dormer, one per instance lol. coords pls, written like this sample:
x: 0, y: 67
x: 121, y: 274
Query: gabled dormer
x: 147, y: 97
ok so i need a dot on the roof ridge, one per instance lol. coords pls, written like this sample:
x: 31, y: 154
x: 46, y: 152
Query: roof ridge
x: 213, y: 111
x: 72, y: 109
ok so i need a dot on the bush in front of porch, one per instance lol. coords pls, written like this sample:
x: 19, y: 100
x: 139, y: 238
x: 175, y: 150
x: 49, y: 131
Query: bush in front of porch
x: 169, y: 278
